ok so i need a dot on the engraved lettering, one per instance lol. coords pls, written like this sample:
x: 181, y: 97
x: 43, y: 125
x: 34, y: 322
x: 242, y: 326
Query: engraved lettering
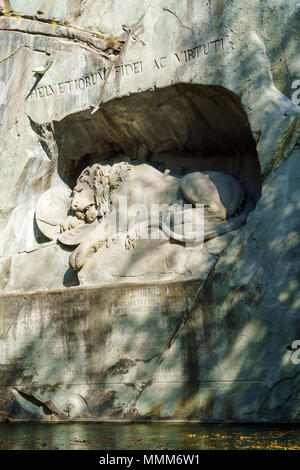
x: 61, y: 87
x: 41, y: 92
x: 204, y: 49
x: 177, y: 56
x: 161, y: 64
x: 49, y: 90
x: 101, y: 73
x: 68, y: 83
x: 81, y: 84
x: 136, y: 67
x: 128, y: 68
x: 197, y: 48
x: 190, y: 54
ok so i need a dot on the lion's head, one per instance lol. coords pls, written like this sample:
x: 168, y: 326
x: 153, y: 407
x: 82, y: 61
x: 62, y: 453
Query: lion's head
x: 91, y: 195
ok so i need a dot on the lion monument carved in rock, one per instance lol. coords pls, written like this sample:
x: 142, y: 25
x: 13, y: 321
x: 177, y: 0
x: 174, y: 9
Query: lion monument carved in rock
x: 104, y: 192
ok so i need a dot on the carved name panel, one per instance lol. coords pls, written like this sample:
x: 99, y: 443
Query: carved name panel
x: 89, y: 330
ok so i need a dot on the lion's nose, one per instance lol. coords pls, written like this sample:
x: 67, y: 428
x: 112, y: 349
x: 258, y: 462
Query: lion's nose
x: 74, y: 206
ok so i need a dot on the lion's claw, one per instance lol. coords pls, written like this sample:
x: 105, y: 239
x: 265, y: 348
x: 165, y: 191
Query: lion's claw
x: 69, y: 223
x: 79, y: 256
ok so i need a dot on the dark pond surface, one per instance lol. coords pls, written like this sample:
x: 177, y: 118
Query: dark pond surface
x: 103, y: 436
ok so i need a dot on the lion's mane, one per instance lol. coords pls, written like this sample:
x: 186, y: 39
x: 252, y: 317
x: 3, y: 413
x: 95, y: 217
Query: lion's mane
x: 103, y: 180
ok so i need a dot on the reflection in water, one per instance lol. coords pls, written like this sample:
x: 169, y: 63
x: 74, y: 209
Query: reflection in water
x: 103, y: 436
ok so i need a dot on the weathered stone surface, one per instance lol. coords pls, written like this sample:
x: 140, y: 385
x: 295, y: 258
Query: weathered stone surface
x: 210, y: 90
x: 101, y: 343
x: 40, y: 269
x: 149, y: 261
x: 142, y: 352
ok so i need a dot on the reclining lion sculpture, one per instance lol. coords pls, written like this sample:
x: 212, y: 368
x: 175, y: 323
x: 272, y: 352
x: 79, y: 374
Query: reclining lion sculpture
x: 100, y: 188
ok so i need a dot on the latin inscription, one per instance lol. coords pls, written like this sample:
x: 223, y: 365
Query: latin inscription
x: 144, y: 318
x: 70, y: 86
x: 101, y: 330
x: 127, y: 70
x: 202, y: 49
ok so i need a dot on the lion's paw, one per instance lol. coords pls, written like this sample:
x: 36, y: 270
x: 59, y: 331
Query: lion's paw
x: 69, y: 223
x: 79, y: 256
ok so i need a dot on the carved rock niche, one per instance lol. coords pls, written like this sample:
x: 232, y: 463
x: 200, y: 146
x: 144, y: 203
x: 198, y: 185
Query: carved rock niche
x: 179, y: 130
x: 183, y: 128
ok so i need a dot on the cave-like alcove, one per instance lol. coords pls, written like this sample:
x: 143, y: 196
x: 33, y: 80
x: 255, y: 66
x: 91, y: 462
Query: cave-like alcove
x: 183, y: 128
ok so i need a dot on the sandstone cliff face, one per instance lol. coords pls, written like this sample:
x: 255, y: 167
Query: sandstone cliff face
x: 211, y: 89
